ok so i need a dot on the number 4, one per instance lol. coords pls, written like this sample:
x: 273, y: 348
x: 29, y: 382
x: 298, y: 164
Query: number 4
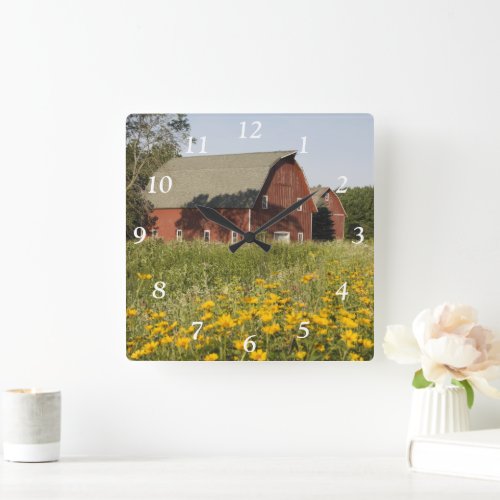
x: 342, y: 291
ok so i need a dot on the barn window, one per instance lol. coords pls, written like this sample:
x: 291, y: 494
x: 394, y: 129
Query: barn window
x: 178, y: 234
x: 154, y: 233
x: 206, y: 235
x: 234, y: 236
x: 300, y: 208
x: 327, y: 196
x: 300, y: 237
x: 265, y: 201
x: 282, y: 236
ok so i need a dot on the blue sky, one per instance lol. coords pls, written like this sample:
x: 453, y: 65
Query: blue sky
x: 336, y: 144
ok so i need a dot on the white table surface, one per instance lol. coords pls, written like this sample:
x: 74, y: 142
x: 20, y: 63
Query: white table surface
x: 233, y: 478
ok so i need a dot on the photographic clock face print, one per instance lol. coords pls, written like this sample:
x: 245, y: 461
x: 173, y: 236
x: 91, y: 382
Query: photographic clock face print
x: 250, y: 237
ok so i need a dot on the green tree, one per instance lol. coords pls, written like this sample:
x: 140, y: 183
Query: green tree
x: 322, y: 225
x: 151, y: 140
x: 358, y: 204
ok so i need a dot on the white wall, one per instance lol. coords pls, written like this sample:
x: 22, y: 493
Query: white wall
x: 72, y: 71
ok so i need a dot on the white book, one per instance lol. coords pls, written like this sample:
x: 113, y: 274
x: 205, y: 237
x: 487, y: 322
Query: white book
x: 468, y: 454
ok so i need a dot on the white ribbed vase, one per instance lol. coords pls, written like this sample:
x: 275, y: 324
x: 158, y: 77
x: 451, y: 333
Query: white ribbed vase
x: 436, y: 410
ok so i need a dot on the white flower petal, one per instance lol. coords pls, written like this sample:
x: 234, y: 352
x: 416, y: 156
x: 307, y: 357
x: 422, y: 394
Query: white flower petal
x: 453, y: 316
x: 434, y: 372
x: 400, y: 345
x: 451, y: 350
x: 482, y: 385
x: 422, y: 327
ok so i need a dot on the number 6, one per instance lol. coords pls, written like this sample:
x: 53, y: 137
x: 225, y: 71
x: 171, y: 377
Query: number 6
x: 248, y: 341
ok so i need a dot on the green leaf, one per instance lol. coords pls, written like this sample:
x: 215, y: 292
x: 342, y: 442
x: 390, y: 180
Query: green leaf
x: 419, y: 381
x: 468, y: 389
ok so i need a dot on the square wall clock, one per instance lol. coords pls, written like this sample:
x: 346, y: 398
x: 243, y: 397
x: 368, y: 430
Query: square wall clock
x: 250, y: 237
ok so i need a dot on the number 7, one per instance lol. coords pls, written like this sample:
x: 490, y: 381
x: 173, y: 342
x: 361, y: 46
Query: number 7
x: 199, y: 324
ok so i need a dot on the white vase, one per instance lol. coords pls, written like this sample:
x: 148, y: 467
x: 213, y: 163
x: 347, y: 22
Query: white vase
x: 436, y: 410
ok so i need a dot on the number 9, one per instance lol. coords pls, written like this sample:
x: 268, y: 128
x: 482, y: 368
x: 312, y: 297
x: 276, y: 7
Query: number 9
x: 140, y: 234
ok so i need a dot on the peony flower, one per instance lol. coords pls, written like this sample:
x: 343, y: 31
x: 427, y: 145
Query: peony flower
x: 449, y: 343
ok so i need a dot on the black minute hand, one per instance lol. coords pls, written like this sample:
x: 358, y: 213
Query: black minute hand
x: 283, y: 214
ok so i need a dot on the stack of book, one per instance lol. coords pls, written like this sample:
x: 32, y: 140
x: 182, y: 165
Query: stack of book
x: 469, y: 454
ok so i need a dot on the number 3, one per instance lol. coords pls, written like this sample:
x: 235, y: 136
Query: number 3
x: 359, y: 235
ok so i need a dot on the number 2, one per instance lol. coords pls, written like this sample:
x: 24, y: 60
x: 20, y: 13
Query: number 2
x: 342, y: 188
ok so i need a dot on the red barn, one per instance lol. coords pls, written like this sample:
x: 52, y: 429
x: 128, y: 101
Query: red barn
x: 324, y: 196
x: 247, y: 188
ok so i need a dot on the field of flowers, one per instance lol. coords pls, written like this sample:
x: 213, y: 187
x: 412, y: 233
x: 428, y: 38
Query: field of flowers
x: 251, y: 305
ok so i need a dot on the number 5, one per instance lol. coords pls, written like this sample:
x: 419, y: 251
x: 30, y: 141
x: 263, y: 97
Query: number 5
x: 199, y: 324
x: 304, y: 329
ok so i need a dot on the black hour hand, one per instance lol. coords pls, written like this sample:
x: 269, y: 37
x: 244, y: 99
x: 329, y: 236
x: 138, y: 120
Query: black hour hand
x: 212, y: 214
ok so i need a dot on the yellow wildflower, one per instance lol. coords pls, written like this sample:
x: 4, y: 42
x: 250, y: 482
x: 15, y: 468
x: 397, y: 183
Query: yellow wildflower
x: 319, y: 320
x: 308, y: 277
x: 271, y: 329
x: 166, y: 339
x: 259, y: 281
x: 211, y: 357
x: 266, y: 316
x: 144, y: 276
x: 348, y: 322
x: 238, y: 345
x: 353, y: 356
x: 150, y: 347
x: 300, y: 355
x: 250, y: 300
x: 131, y: 313
x: 225, y: 321
x: 349, y: 337
x: 367, y: 343
x: 183, y: 342
x: 258, y: 355
x: 208, y: 304
x: 206, y: 316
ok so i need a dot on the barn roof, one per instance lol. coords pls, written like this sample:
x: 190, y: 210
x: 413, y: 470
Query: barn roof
x: 318, y: 195
x: 220, y: 181
x: 319, y: 201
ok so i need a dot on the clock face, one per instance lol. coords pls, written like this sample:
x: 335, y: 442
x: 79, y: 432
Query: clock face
x: 250, y: 237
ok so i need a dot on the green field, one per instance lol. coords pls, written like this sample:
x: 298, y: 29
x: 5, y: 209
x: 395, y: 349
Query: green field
x: 267, y: 296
